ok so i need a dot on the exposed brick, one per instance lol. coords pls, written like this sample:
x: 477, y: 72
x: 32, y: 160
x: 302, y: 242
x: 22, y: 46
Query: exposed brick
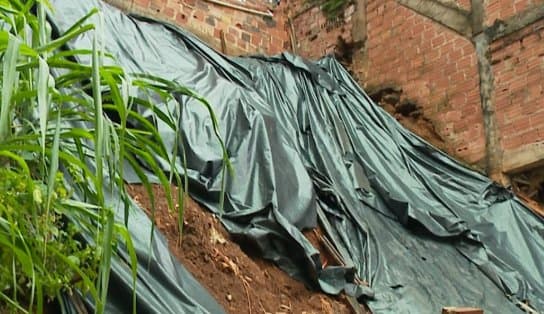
x: 256, y: 40
x: 246, y: 37
x: 217, y: 33
x: 142, y: 3
x: 207, y: 20
x: 501, y: 9
x: 429, y: 62
x: 519, y: 85
x: 210, y: 20
x: 435, y: 66
x: 170, y: 13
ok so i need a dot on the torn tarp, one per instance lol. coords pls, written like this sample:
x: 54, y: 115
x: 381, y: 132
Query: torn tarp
x: 307, y: 144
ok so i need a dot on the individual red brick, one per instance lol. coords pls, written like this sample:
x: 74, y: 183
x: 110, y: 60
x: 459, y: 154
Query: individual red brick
x: 169, y: 13
x: 142, y: 3
x: 217, y: 33
x: 537, y: 119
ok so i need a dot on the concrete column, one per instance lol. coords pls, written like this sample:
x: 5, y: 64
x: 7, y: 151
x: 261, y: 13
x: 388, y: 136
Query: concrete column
x: 493, y: 148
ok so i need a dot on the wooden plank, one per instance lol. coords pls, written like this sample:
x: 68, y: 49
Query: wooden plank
x: 462, y: 310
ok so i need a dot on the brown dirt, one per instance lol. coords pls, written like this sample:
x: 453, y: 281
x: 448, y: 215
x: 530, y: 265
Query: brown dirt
x: 529, y: 185
x: 408, y: 113
x: 240, y: 283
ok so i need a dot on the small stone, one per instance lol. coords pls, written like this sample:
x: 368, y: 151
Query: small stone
x: 216, y: 237
x: 229, y: 297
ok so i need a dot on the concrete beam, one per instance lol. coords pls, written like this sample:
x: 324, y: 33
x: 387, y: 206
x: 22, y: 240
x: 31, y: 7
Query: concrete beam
x: 493, y: 149
x: 515, y: 23
x: 477, y: 14
x: 451, y: 17
x: 359, y: 28
x: 523, y: 158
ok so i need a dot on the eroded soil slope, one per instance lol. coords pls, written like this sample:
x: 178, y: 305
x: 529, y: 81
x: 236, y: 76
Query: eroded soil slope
x: 240, y: 283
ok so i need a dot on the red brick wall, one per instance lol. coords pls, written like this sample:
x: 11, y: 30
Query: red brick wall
x: 518, y: 69
x: 316, y: 35
x: 434, y: 66
x: 244, y: 33
x: 503, y: 9
x: 437, y: 69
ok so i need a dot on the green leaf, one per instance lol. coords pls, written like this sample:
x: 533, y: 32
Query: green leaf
x: 123, y: 232
x: 99, y: 120
x: 43, y: 99
x: 105, y: 265
x: 59, y: 42
x: 9, y: 84
x: 54, y: 165
x: 25, y: 50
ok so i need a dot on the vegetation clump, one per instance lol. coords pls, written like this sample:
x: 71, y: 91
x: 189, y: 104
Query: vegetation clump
x: 51, y: 245
x: 332, y: 9
x: 69, y: 124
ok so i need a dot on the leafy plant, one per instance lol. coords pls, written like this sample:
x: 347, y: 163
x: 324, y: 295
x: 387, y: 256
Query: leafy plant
x: 61, y: 154
x: 50, y: 241
x: 331, y: 8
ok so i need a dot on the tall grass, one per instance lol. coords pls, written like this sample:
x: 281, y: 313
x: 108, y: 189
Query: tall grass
x: 59, y: 153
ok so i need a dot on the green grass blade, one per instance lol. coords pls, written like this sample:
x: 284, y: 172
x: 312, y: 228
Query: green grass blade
x: 24, y: 49
x: 82, y: 20
x: 105, y: 264
x: 147, y: 185
x: 13, y: 303
x: 99, y: 120
x: 62, y: 55
x: 43, y: 99
x: 20, y: 162
x: 123, y: 232
x: 42, y: 27
x: 9, y: 82
x: 154, y: 166
x: 53, y: 165
x: 59, y: 42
